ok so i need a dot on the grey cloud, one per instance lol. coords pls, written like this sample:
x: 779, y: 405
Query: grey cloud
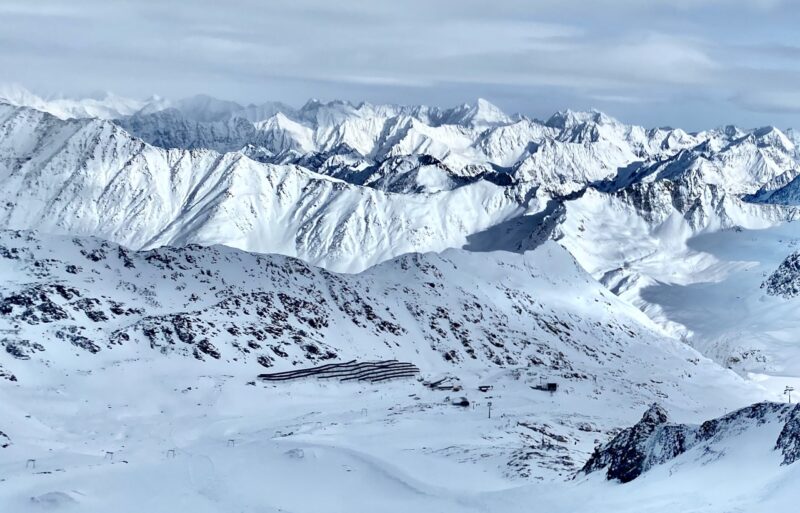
x: 737, y: 58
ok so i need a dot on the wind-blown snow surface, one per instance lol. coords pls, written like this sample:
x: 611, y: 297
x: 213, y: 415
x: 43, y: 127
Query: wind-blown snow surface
x: 140, y: 353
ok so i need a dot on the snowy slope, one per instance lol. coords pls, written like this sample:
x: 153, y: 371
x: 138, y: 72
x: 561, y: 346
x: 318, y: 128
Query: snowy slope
x: 67, y: 299
x: 695, y: 267
x: 728, y: 313
x: 90, y: 329
x: 91, y: 177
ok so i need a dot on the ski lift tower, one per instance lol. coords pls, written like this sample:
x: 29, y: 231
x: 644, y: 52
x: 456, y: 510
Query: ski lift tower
x: 788, y: 391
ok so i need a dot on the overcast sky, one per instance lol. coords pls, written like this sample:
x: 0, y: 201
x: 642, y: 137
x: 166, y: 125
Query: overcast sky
x: 689, y: 63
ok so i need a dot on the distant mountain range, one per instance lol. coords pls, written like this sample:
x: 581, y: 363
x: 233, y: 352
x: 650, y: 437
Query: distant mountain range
x: 626, y: 265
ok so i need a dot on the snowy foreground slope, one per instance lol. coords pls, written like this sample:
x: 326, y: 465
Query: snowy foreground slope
x: 139, y: 353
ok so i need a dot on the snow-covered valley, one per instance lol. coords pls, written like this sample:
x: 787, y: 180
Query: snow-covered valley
x: 207, y: 441
x: 157, y: 256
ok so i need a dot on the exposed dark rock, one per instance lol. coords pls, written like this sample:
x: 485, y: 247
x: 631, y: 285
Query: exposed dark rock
x: 653, y: 440
x: 35, y: 304
x: 21, y: 349
x: 76, y: 339
x: 4, y: 374
x: 123, y: 255
x: 208, y: 348
x: 9, y: 253
x: 94, y: 255
x: 785, y: 281
x: 630, y: 452
x: 789, y: 439
x: 91, y: 307
x: 118, y: 308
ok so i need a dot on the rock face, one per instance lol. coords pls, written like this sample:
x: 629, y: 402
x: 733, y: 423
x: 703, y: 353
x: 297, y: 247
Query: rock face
x: 655, y: 441
x: 789, y: 440
x: 635, y: 450
x: 785, y: 281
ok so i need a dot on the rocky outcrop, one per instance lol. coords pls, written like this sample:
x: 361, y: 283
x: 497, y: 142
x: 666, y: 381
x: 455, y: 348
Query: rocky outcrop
x: 635, y: 450
x: 789, y: 439
x: 785, y: 280
x: 654, y: 440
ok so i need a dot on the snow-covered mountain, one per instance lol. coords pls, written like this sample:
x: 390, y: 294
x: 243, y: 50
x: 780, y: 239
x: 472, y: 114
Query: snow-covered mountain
x: 91, y: 177
x: 392, y: 170
x: 328, y: 182
x: 452, y: 310
x: 84, y: 309
x: 564, y: 154
x: 198, y: 242
x: 103, y: 105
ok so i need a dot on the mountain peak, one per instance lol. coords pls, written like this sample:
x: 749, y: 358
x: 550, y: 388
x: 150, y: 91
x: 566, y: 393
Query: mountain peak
x: 569, y: 118
x: 205, y: 108
x: 772, y: 136
x: 16, y: 94
x: 655, y: 415
x: 482, y: 113
x: 311, y: 104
